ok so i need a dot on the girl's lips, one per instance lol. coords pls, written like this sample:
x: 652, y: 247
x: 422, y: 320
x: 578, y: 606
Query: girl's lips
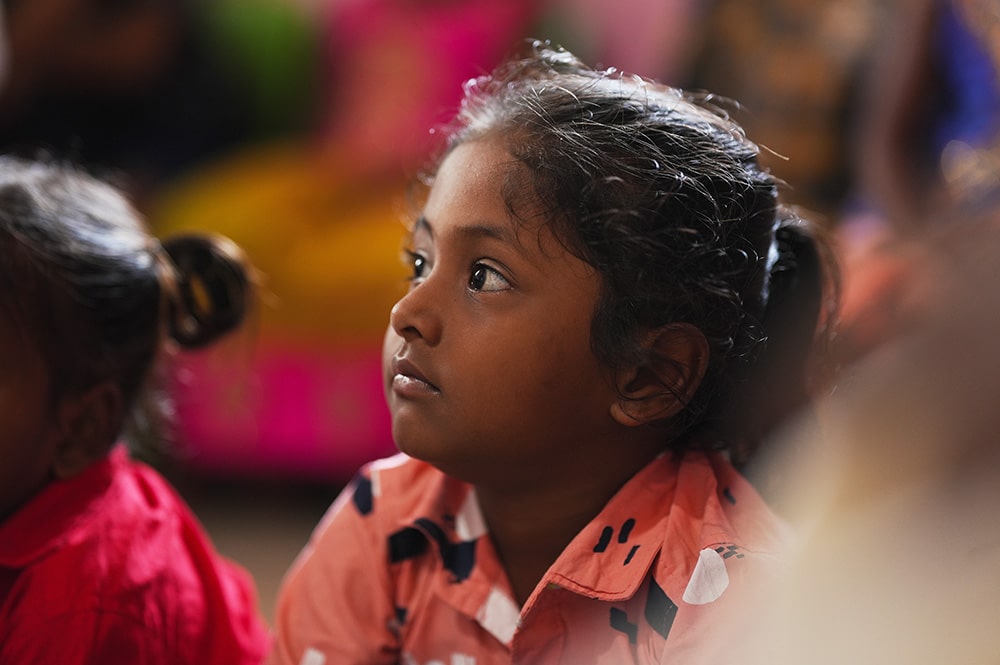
x: 408, y: 386
x: 408, y: 379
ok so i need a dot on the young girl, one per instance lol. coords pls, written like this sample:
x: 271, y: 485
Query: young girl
x: 100, y: 561
x: 598, y: 268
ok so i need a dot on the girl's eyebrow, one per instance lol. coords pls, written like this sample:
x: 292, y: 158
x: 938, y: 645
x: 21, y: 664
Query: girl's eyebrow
x: 422, y: 224
x: 479, y: 230
x: 487, y: 231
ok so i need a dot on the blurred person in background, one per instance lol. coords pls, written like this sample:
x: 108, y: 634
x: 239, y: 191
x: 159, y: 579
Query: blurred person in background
x: 932, y: 112
x: 100, y: 560
x: 895, y: 502
x: 928, y: 152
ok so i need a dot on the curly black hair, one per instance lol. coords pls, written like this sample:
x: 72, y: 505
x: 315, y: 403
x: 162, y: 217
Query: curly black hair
x: 662, y: 193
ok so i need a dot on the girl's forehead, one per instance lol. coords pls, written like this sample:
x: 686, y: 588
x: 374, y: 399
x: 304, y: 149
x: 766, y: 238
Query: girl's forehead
x: 471, y: 182
x: 480, y: 182
x: 488, y: 157
x: 482, y: 191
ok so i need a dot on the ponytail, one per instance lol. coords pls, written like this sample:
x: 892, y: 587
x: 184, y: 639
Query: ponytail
x: 797, y: 321
x: 206, y: 285
x: 210, y: 295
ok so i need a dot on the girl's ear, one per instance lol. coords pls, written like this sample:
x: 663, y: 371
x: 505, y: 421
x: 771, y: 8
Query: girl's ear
x: 89, y: 424
x: 662, y: 384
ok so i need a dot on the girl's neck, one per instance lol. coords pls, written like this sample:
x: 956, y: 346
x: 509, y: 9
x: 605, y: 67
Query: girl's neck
x: 530, y: 528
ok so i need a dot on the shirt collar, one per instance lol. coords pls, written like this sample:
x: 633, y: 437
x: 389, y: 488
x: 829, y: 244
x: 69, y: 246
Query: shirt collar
x: 608, y: 560
x: 610, y: 557
x: 447, y: 520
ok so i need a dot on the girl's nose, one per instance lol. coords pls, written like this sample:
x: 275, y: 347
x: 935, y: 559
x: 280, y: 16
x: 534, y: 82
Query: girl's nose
x: 414, y: 316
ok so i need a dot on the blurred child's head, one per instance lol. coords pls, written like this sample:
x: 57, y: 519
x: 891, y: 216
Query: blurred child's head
x: 663, y: 196
x: 90, y: 296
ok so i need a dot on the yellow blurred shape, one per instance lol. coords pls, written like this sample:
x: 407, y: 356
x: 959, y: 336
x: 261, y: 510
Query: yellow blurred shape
x: 327, y: 245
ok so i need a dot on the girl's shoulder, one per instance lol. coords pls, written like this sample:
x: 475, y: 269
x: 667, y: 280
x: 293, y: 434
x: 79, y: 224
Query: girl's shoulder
x: 719, y: 533
x: 728, y: 506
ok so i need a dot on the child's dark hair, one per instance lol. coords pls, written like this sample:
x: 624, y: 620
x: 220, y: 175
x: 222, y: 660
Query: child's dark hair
x: 83, y: 279
x: 663, y: 195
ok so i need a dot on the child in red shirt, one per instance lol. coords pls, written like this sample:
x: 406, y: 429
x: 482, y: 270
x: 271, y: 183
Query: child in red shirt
x: 608, y: 308
x: 100, y: 560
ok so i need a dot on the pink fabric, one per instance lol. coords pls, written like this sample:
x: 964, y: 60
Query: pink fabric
x: 111, y: 567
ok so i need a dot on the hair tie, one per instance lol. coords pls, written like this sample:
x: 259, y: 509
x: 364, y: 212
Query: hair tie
x: 211, y: 288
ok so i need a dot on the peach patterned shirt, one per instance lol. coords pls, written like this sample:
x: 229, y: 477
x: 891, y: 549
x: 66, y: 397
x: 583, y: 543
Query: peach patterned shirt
x: 402, y: 570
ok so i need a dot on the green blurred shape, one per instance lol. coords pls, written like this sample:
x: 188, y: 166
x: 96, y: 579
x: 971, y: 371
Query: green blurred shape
x: 272, y: 47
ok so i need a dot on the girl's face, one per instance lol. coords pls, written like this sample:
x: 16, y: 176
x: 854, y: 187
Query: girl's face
x: 27, y: 421
x: 489, y: 373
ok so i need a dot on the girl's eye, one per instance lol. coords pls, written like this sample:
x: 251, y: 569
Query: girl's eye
x: 484, y: 278
x: 418, y: 264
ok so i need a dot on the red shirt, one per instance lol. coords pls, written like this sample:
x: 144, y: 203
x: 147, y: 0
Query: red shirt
x: 111, y: 567
x: 402, y: 570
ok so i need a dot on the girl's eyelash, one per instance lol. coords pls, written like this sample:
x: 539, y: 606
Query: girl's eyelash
x: 415, y: 261
x: 411, y: 255
x: 476, y: 273
x: 418, y: 263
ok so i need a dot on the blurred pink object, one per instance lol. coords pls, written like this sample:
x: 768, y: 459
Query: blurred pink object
x: 292, y: 411
x: 652, y: 38
x: 395, y: 70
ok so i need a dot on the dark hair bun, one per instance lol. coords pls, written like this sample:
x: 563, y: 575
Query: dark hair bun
x: 213, y: 288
